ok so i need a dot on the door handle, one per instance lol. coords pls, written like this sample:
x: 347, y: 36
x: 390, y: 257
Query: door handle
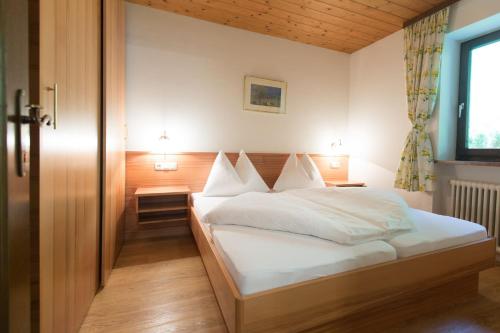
x: 460, y: 109
x: 20, y: 119
x: 44, y: 120
x: 54, y: 88
x: 16, y: 119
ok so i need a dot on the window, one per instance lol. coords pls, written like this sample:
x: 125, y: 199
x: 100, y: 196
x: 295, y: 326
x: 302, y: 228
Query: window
x: 478, y: 132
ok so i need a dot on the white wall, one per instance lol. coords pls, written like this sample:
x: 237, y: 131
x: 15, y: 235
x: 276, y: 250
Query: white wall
x: 378, y: 123
x: 186, y: 76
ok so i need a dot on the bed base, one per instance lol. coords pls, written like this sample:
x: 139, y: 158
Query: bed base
x: 376, y: 295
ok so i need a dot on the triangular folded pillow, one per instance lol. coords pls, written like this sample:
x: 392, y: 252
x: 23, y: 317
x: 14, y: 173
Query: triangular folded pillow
x: 299, y: 174
x: 252, y: 181
x: 312, y: 171
x: 225, y: 180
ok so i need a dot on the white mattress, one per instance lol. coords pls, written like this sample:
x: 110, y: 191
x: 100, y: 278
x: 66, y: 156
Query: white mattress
x: 434, y: 232
x: 262, y: 259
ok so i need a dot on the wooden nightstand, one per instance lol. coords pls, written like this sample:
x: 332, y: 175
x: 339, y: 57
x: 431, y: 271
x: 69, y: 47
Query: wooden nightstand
x: 344, y: 183
x: 162, y: 204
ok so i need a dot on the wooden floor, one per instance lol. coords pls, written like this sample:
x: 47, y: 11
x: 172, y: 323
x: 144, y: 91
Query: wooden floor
x: 161, y: 286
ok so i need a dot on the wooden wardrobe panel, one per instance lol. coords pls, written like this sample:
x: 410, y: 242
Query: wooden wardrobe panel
x: 85, y: 84
x: 46, y: 181
x: 70, y: 56
x: 52, y: 196
x: 113, y: 134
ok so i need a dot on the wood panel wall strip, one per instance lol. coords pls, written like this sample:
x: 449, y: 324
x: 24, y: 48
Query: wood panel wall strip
x: 113, y: 191
x: 193, y: 170
x: 342, y: 25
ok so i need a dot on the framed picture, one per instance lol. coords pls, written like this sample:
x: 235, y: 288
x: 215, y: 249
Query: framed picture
x: 264, y: 95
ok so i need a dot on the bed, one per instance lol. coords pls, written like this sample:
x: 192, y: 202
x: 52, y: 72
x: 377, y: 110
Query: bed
x: 323, y: 283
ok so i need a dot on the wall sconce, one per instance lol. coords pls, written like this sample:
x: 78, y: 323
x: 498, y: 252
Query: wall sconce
x: 162, y: 147
x: 337, y: 150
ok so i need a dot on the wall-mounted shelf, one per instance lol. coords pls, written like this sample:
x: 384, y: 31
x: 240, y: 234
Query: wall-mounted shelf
x: 166, y: 204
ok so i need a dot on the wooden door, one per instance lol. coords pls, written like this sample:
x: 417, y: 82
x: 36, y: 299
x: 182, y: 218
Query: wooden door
x: 69, y: 183
x: 15, y: 247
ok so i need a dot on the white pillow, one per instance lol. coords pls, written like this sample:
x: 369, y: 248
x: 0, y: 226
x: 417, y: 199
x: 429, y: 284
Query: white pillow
x: 225, y: 180
x: 299, y: 174
x: 312, y: 171
x: 251, y: 179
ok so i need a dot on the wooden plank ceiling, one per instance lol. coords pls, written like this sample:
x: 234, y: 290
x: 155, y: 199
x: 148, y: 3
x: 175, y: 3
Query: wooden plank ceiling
x: 341, y: 25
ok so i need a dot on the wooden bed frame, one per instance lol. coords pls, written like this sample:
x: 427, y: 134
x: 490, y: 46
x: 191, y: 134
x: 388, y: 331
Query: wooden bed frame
x: 349, y: 301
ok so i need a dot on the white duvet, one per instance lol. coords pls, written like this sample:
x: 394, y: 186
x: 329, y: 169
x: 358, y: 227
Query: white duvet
x: 343, y: 215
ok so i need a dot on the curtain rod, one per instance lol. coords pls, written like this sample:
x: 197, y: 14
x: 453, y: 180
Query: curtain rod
x: 429, y: 12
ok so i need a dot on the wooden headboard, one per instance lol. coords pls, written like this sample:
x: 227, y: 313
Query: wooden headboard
x: 193, y: 170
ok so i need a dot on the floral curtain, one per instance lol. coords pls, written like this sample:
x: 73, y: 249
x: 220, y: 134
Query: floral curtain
x: 423, y: 48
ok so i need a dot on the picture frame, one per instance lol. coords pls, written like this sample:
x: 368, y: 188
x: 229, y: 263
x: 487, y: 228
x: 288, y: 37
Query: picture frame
x: 264, y: 95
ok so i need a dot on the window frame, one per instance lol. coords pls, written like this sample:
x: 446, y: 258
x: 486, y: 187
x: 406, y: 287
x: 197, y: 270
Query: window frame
x: 462, y: 152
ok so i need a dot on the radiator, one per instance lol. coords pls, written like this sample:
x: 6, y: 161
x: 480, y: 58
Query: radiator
x: 479, y: 203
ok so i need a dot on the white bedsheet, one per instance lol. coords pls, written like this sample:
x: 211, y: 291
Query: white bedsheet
x: 259, y: 259
x: 435, y: 232
x: 262, y: 259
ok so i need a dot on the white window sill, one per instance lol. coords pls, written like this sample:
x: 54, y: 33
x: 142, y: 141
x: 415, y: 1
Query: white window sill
x: 473, y: 163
